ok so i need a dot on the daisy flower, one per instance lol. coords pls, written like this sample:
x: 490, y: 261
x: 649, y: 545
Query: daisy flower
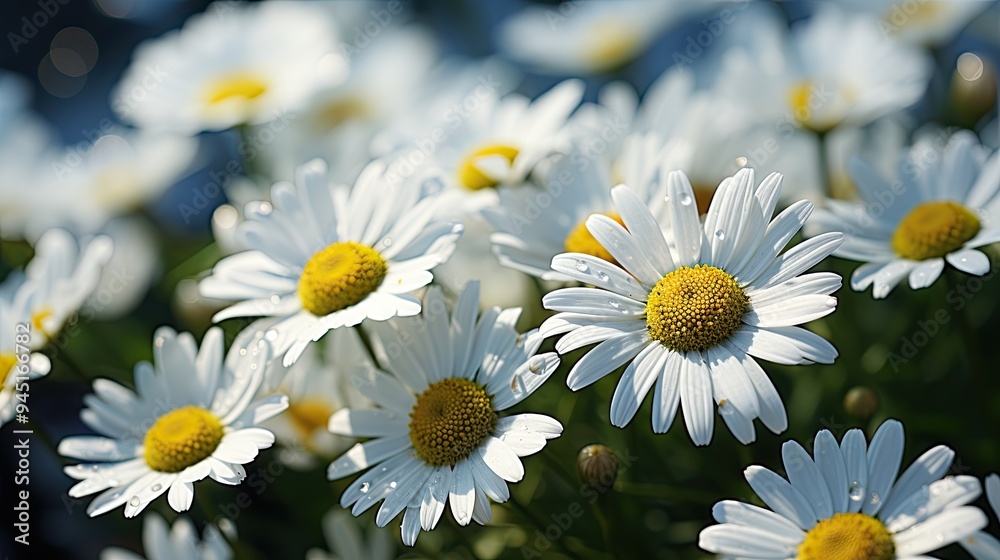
x: 190, y: 417
x: 587, y: 38
x: 179, y: 541
x: 233, y: 64
x: 437, y: 437
x: 846, y: 502
x: 929, y: 22
x: 317, y: 385
x: 982, y: 545
x: 324, y: 256
x: 690, y: 312
x: 941, y: 207
x: 346, y: 543
x: 535, y: 224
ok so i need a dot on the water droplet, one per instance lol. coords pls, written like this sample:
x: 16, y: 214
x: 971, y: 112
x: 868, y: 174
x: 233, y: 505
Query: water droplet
x: 535, y: 366
x: 243, y: 351
x: 603, y: 276
x: 157, y: 487
x: 253, y: 366
x: 271, y: 335
x: 392, y: 484
x: 875, y: 498
x: 582, y: 266
x: 685, y: 199
x: 666, y: 198
x: 134, y: 502
x: 720, y: 234
x: 855, y: 491
x: 387, y: 242
x: 159, y: 342
x: 939, y: 537
x: 264, y: 208
x: 365, y: 487
x: 275, y: 300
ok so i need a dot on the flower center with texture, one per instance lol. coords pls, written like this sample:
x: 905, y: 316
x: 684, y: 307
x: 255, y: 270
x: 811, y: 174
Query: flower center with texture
x: 244, y: 87
x: 340, y: 276
x: 934, y: 229
x: 695, y: 308
x: 181, y: 438
x: 473, y: 178
x: 848, y: 536
x: 451, y: 418
x: 580, y: 240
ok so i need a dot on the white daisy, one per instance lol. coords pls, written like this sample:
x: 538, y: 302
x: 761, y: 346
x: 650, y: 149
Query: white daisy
x: 535, y: 224
x: 180, y: 541
x: 930, y: 22
x: 690, y: 313
x: 190, y: 417
x: 324, y: 256
x: 835, y: 68
x: 942, y: 205
x: 445, y: 376
x: 345, y: 540
x: 982, y: 545
x: 317, y: 385
x: 233, y: 64
x: 587, y: 37
x: 845, y: 502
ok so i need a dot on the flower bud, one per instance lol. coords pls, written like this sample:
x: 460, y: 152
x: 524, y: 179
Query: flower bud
x: 861, y: 402
x: 598, y: 466
x: 973, y: 89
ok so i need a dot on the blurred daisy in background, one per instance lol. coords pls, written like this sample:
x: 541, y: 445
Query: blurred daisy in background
x: 535, y: 224
x: 324, y: 256
x: 346, y: 542
x: 982, y: 545
x: 834, y: 69
x: 161, y: 542
x: 928, y: 22
x: 846, y: 502
x: 317, y: 385
x: 576, y: 38
x: 233, y: 64
x: 941, y: 206
x: 192, y: 416
x: 437, y: 437
x: 690, y: 313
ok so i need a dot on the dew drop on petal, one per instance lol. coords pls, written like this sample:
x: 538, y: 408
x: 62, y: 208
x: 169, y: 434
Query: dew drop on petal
x: 720, y: 234
x: 271, y: 335
x: 275, y: 299
x: 134, y: 502
x: 392, y: 484
x: 157, y: 487
x: 582, y: 266
x: 685, y: 199
x: 855, y: 491
x: 603, y: 276
x: 365, y: 487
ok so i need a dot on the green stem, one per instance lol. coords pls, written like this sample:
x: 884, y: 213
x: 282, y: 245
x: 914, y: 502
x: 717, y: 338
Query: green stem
x: 977, y: 367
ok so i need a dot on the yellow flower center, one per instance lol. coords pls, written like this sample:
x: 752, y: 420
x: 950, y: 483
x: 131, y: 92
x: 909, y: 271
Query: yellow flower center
x: 181, y: 438
x: 339, y: 111
x: 580, y: 240
x: 244, y: 87
x: 811, y: 103
x: 340, y: 276
x: 308, y: 415
x: 848, y: 536
x: 38, y: 319
x: 611, y: 45
x: 7, y: 363
x: 451, y: 418
x: 933, y: 230
x: 695, y: 308
x: 471, y: 177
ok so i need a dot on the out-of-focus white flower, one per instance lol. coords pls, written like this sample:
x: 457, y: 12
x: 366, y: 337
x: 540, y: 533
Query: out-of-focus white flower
x: 233, y: 64
x: 831, y: 70
x: 324, y: 256
x: 982, y: 545
x: 345, y: 540
x: 941, y: 207
x: 929, y: 22
x: 180, y: 541
x: 587, y: 37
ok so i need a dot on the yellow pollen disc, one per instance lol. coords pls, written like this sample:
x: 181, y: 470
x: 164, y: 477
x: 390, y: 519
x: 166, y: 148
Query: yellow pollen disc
x: 38, y: 320
x: 181, y: 438
x: 934, y: 229
x: 340, y: 276
x: 451, y: 418
x: 308, y: 415
x: 471, y: 177
x: 580, y: 240
x: 695, y: 308
x: 848, y: 536
x: 612, y: 44
x: 236, y: 86
x: 7, y: 363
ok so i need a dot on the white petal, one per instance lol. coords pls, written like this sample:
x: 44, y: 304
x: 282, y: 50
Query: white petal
x: 605, y: 358
x: 939, y: 531
x: 696, y: 398
x: 925, y: 273
x: 743, y: 542
x: 738, y: 513
x: 640, y: 223
x: 623, y: 247
x: 930, y: 466
x: 684, y: 222
x: 667, y: 395
x: 501, y: 459
x: 599, y: 273
x: 806, y: 477
x: 884, y: 456
x: 366, y: 423
x: 181, y: 495
x: 637, y: 380
x: 830, y: 461
x: 969, y: 261
x: 781, y: 496
x: 364, y: 455
x: 462, y: 496
x: 853, y: 448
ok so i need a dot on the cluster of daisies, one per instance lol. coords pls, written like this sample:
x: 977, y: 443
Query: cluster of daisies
x: 377, y: 259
